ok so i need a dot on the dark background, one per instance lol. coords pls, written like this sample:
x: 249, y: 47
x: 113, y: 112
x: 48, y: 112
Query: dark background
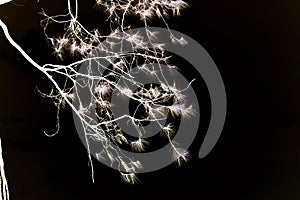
x: 256, y: 46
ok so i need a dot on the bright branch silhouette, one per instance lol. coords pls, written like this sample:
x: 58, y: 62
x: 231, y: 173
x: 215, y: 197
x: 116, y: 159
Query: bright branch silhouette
x: 157, y: 100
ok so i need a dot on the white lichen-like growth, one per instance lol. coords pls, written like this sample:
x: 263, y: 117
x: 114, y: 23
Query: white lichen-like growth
x: 145, y: 9
x: 79, y: 42
x: 129, y: 178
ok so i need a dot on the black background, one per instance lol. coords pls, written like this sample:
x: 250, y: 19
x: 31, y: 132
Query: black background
x: 256, y: 46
